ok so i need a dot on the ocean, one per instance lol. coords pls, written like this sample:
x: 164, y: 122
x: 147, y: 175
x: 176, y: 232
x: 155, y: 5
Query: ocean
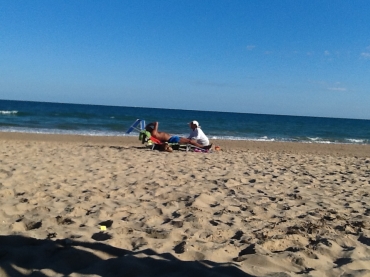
x: 97, y: 120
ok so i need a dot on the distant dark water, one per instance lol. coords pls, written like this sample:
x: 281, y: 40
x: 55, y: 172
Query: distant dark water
x: 56, y: 118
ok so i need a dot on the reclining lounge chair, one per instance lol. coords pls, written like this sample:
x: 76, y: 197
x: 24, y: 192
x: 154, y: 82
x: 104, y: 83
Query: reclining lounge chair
x: 153, y: 143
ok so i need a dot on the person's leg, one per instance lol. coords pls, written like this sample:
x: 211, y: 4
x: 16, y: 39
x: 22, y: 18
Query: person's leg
x: 193, y: 142
x: 185, y: 141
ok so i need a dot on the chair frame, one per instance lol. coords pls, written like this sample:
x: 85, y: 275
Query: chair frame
x: 139, y: 126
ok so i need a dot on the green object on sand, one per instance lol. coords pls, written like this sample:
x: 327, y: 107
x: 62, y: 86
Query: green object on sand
x: 143, y: 135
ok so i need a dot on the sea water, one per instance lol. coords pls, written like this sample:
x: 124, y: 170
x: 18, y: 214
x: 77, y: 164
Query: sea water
x: 97, y: 120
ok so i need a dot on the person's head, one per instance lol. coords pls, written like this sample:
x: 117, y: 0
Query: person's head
x: 149, y: 128
x: 194, y: 124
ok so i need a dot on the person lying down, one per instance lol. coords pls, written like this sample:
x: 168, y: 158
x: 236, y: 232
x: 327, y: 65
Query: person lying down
x: 152, y: 128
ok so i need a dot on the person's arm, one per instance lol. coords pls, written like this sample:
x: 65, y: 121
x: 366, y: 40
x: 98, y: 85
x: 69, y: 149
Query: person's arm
x: 194, y: 134
x: 152, y: 128
x: 190, y: 135
x: 155, y: 126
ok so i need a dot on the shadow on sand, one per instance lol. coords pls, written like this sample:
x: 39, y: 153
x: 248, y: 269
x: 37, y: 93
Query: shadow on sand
x: 24, y: 256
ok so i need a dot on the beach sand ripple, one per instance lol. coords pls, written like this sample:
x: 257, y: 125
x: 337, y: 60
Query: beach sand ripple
x: 115, y: 209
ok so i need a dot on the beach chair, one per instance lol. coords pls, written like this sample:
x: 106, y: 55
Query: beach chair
x: 138, y: 126
x: 153, y: 143
x: 146, y: 138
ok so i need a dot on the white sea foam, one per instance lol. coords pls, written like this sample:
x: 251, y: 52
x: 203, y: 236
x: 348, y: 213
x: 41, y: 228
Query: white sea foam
x: 314, y: 139
x: 62, y: 132
x: 242, y: 138
x: 319, y: 140
x: 357, y: 141
x: 8, y: 112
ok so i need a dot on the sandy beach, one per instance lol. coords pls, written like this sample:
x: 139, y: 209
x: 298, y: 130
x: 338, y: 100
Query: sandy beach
x: 107, y: 206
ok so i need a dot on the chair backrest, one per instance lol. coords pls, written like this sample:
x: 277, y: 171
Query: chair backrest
x: 138, y: 125
x: 154, y: 140
x: 145, y: 136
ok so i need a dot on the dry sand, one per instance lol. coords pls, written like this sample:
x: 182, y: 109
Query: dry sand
x: 252, y: 209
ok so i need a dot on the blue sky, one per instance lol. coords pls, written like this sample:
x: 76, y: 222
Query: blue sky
x: 292, y: 57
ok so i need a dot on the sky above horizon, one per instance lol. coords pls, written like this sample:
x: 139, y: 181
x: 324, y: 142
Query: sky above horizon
x: 287, y: 57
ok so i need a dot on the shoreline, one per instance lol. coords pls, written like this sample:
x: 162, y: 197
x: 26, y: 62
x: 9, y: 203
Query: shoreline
x: 357, y: 150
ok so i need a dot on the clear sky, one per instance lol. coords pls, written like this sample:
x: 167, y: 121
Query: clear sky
x: 292, y: 57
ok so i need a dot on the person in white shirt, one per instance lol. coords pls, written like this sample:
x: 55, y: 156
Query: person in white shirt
x: 197, y: 133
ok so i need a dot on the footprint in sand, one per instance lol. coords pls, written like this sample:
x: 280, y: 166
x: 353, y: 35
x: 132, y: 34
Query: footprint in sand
x: 180, y: 248
x: 31, y: 225
x: 101, y: 236
x: 107, y: 223
x: 64, y: 221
